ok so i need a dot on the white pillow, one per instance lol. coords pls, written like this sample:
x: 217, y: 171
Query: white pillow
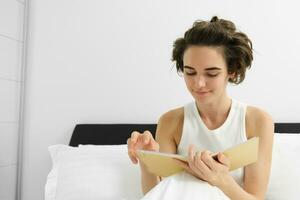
x: 285, y: 170
x: 92, y: 173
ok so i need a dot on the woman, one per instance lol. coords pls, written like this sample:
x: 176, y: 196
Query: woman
x: 210, y: 55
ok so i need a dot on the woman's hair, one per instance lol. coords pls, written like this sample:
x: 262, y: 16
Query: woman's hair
x: 237, y: 47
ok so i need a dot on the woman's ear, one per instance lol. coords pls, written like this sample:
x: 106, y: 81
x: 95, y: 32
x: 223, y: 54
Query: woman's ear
x: 232, y: 76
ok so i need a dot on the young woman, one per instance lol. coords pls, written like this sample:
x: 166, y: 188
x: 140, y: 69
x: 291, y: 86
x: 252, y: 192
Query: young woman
x: 211, y: 54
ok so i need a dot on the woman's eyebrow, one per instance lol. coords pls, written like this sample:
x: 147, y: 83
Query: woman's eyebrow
x: 186, y: 66
x: 212, y: 68
x: 206, y: 69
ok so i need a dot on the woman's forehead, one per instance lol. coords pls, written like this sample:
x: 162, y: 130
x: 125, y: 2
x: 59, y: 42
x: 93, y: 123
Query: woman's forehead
x: 203, y: 57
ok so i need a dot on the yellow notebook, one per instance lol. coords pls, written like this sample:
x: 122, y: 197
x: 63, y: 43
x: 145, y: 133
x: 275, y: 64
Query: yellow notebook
x: 162, y: 164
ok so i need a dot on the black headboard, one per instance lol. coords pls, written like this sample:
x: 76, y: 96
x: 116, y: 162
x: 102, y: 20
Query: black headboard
x: 109, y: 134
x: 287, y: 127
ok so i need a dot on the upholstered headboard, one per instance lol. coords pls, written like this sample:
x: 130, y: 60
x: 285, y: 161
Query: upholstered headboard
x: 109, y: 134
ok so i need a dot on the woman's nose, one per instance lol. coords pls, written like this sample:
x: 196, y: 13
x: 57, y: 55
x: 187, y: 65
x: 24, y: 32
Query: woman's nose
x: 201, y: 82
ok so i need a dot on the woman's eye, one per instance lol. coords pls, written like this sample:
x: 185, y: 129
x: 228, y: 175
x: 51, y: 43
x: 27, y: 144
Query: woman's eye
x: 212, y: 75
x: 194, y: 73
x: 190, y: 74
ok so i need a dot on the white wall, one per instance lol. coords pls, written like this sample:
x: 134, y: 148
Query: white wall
x: 109, y: 62
x: 11, y: 44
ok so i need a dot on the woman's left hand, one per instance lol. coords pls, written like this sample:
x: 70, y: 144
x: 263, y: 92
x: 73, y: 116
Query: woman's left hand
x: 203, y: 166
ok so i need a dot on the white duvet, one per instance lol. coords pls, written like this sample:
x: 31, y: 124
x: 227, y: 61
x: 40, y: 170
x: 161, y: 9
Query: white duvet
x: 184, y: 186
x: 96, y: 172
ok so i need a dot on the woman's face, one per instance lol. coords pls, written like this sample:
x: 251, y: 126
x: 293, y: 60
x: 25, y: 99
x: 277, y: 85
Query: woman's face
x: 205, y: 73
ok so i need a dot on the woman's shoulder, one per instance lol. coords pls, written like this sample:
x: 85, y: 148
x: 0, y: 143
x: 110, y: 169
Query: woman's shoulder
x: 257, y: 114
x: 173, y: 116
x: 256, y: 118
x: 169, y: 128
x: 170, y: 123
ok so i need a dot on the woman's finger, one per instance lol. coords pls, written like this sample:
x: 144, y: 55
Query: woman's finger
x: 185, y: 166
x: 149, y: 141
x: 131, y: 151
x: 223, y: 159
x: 134, y: 136
x: 147, y: 136
x: 191, y: 153
x: 196, y: 171
x: 199, y: 164
x: 208, y: 161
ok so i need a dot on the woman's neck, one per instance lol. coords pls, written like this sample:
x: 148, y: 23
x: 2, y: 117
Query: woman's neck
x: 215, y: 111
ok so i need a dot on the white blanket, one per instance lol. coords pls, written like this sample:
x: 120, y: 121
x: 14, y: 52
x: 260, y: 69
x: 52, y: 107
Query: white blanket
x: 184, y: 186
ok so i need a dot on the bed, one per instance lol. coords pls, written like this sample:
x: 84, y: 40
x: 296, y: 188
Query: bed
x: 95, y: 164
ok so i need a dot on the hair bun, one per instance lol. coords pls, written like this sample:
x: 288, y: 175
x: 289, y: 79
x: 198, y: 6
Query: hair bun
x: 214, y: 19
x: 227, y: 25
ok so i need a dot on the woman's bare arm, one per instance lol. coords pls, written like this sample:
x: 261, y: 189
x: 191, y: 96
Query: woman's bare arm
x: 257, y: 175
x: 165, y: 138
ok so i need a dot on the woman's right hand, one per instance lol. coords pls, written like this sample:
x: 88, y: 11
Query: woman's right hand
x: 143, y: 141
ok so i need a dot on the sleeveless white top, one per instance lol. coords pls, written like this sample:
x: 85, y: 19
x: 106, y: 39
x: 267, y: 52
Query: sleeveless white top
x: 230, y: 133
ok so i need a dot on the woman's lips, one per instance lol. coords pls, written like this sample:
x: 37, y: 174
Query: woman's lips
x: 201, y: 92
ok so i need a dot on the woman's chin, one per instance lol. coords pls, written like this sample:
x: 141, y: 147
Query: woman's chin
x: 204, y: 98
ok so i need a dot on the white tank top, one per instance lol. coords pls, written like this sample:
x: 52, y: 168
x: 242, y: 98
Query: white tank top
x: 230, y: 133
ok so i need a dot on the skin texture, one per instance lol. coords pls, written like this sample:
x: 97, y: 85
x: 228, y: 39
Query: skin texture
x: 206, y: 78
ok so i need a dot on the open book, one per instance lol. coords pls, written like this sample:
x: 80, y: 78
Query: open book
x: 163, y: 164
